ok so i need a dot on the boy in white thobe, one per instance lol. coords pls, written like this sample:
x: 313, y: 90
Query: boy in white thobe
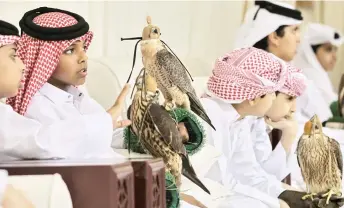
x: 11, y: 71
x: 20, y: 137
x: 316, y: 56
x: 243, y: 84
x: 274, y: 27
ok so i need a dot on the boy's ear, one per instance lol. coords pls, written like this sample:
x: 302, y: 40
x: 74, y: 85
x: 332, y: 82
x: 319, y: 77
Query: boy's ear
x: 254, y: 101
x: 273, y: 39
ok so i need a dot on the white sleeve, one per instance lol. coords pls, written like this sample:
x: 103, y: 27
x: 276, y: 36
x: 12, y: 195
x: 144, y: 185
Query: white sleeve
x: 278, y: 162
x: 222, y: 170
x: 248, y: 171
x: 117, y: 138
x: 80, y: 136
x: 274, y: 162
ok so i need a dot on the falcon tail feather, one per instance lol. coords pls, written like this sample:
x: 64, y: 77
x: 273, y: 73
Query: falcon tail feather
x: 197, y: 108
x: 189, y: 172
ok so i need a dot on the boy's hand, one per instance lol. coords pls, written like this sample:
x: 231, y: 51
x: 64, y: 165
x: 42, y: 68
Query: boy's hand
x: 116, y: 109
x: 289, y: 127
x: 14, y: 198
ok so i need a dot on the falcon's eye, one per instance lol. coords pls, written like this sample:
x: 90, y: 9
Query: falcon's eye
x: 316, y: 127
x: 154, y: 30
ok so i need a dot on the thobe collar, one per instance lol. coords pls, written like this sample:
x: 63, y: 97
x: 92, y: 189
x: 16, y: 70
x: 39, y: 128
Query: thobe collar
x: 60, y: 96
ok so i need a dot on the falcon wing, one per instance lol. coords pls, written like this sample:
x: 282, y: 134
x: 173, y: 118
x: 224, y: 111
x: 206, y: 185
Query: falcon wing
x: 167, y: 127
x: 176, y: 72
x: 297, y: 151
x: 177, y: 75
x: 335, y: 146
x: 168, y: 130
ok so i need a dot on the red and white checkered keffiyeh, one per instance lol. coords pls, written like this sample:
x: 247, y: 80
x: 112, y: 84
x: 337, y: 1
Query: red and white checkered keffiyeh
x: 8, y: 39
x: 246, y: 74
x: 41, y: 57
x: 295, y: 83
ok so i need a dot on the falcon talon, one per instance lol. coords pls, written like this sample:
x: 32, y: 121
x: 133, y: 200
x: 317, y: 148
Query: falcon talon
x: 309, y: 196
x: 330, y: 194
x: 169, y: 106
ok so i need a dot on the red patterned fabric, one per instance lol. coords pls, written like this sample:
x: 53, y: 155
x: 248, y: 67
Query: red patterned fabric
x: 295, y: 83
x: 246, y: 74
x: 41, y: 57
x: 8, y: 39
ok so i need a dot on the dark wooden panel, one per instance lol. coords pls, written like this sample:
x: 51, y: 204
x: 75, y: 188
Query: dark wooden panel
x: 150, y: 189
x: 92, y: 184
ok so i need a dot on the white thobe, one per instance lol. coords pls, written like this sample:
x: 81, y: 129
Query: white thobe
x: 21, y: 137
x: 62, y: 124
x: 312, y: 102
x: 276, y: 162
x: 319, y: 93
x: 237, y: 168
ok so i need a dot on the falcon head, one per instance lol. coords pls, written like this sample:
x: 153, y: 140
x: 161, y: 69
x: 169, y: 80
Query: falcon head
x: 150, y: 31
x: 313, y: 126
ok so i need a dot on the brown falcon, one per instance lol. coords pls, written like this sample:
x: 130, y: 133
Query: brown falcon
x: 320, y: 160
x: 170, y: 73
x: 158, y: 132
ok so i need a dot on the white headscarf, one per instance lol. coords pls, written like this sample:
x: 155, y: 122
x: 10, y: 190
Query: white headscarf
x: 264, y: 19
x: 306, y: 59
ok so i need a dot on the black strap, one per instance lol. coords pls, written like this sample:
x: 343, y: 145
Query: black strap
x: 336, y: 35
x: 277, y: 9
x: 8, y: 29
x: 52, y: 34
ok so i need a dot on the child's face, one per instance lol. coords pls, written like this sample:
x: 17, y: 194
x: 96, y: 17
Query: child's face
x: 72, y: 67
x: 287, y: 45
x: 282, y: 107
x: 11, y: 71
x: 327, y: 56
x: 262, y: 104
